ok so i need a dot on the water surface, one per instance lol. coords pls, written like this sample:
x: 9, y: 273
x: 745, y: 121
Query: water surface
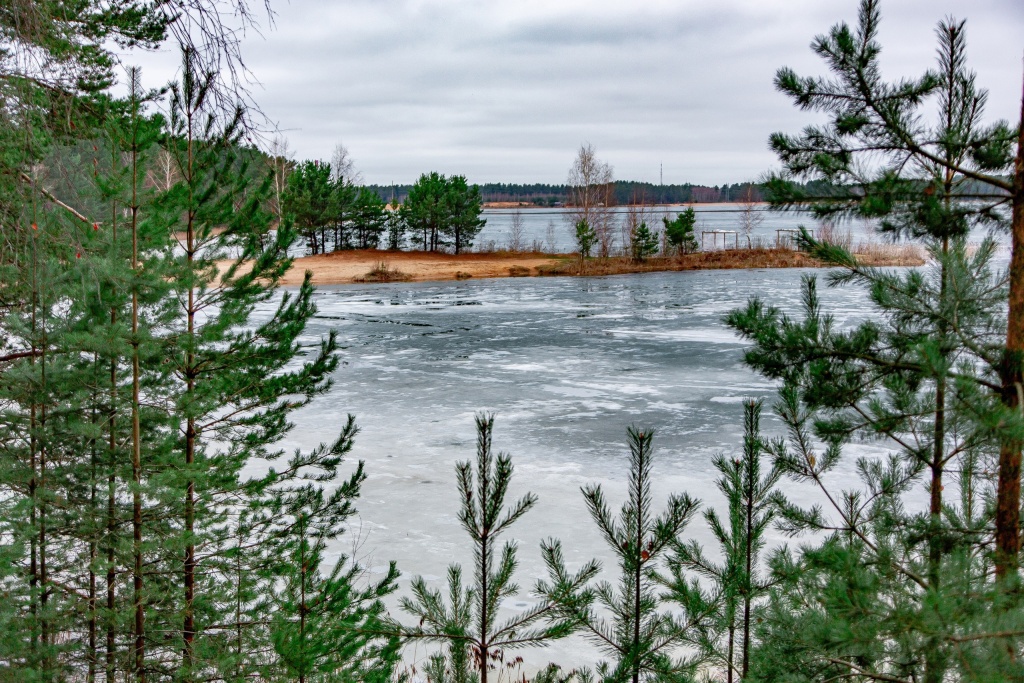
x: 566, y: 364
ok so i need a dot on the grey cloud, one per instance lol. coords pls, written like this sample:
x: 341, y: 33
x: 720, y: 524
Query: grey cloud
x: 506, y: 91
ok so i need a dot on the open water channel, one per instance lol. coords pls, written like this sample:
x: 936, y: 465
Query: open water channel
x: 552, y: 228
x: 565, y: 364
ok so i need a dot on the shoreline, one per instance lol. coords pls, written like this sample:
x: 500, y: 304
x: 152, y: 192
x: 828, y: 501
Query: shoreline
x: 372, y: 266
x: 565, y: 207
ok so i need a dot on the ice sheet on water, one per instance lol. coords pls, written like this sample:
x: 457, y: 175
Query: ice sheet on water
x: 651, y: 350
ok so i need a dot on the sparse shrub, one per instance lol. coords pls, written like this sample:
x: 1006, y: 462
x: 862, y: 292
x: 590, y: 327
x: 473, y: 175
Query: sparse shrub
x: 382, y: 272
x: 832, y: 235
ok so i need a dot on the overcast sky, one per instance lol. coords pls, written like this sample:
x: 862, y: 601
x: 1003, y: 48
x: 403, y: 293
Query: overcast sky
x: 507, y: 90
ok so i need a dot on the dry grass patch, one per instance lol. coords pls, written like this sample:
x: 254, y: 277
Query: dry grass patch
x: 383, y: 272
x: 706, y: 260
x: 875, y: 254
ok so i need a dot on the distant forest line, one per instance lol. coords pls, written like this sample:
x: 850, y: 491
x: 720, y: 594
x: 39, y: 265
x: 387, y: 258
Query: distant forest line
x: 626, y: 192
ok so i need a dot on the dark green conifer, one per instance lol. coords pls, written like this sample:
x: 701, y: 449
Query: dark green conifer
x: 679, y: 231
x: 585, y: 238
x: 624, y: 620
x: 883, y: 594
x: 308, y: 202
x: 476, y: 640
x: 369, y: 219
x: 323, y: 627
x: 736, y: 580
x: 644, y: 243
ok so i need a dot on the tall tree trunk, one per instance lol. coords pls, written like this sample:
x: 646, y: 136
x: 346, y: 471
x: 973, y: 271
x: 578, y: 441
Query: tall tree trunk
x: 638, y: 575
x: 92, y: 657
x: 1008, y: 491
x: 730, y: 650
x: 44, y: 578
x: 33, y: 484
x: 33, y: 492
x: 748, y: 552
x: 139, y: 664
x: 238, y: 600
x: 485, y: 534
x: 302, y: 600
x: 189, y: 626
x: 111, y: 577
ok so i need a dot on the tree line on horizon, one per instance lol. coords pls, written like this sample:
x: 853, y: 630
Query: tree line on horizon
x: 623, y: 193
x: 153, y: 528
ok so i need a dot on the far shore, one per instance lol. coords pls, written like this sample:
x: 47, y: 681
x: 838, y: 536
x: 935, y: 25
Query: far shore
x: 531, y: 205
x: 360, y: 266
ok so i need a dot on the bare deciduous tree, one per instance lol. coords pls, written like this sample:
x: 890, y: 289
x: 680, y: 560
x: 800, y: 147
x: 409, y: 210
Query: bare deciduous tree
x: 516, y: 232
x: 550, y: 242
x: 163, y: 175
x: 751, y: 217
x: 343, y: 166
x: 282, y: 163
x: 591, y: 196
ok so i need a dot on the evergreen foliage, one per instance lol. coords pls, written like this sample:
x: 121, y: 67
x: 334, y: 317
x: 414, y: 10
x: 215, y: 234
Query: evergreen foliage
x: 475, y: 639
x: 586, y: 238
x: 737, y: 579
x: 442, y: 212
x: 644, y: 242
x: 148, y: 359
x: 308, y: 202
x: 370, y: 219
x: 324, y: 628
x: 679, y: 232
x: 882, y: 594
x: 624, y: 620
x: 149, y: 365
x: 623, y: 192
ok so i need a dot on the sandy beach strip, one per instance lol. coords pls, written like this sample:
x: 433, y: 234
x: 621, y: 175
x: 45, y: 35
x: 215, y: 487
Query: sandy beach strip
x: 353, y: 266
x: 344, y: 267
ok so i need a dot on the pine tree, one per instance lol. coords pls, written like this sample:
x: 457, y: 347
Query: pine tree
x: 585, y: 238
x: 342, y: 212
x: 641, y: 639
x: 369, y: 219
x: 737, y: 580
x: 324, y: 628
x: 132, y: 544
x: 883, y: 595
x: 230, y: 387
x: 443, y: 211
x: 644, y: 243
x: 464, y: 206
x: 679, y: 231
x: 308, y: 201
x: 915, y: 184
x: 84, y: 265
x: 467, y: 623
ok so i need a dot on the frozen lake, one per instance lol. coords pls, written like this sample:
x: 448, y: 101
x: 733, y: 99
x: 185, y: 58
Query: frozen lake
x: 566, y: 364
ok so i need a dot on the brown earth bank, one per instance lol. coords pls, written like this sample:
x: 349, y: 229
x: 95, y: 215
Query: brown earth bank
x: 346, y: 267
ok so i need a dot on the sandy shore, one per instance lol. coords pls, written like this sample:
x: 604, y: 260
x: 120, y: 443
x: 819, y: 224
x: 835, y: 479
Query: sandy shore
x: 347, y: 267
x: 344, y: 267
